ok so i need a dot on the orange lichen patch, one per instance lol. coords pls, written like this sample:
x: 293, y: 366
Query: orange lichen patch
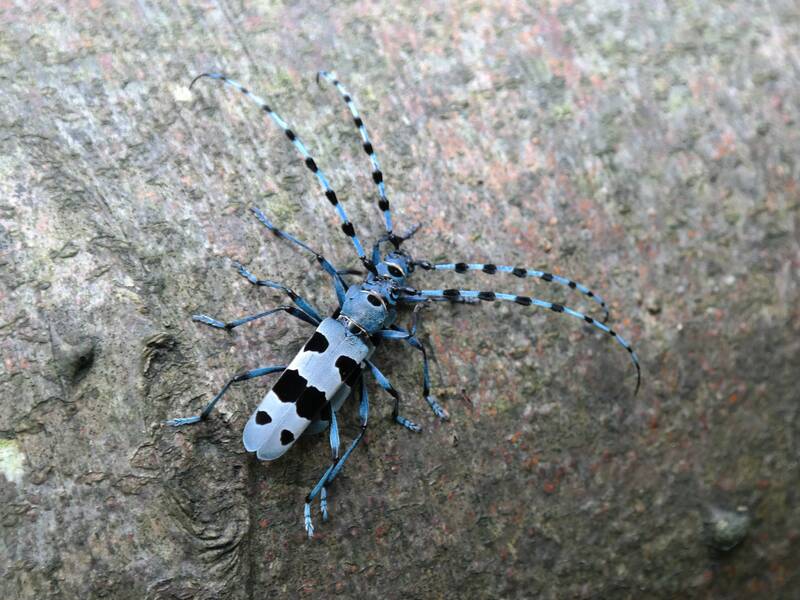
x: 451, y: 147
x: 702, y: 87
x: 778, y: 572
x: 307, y: 587
x: 498, y: 177
x: 703, y: 418
x: 549, y: 487
x: 381, y: 531
x: 563, y: 180
x: 253, y: 22
x: 551, y: 161
x: 597, y: 81
x: 757, y: 586
x: 106, y: 61
x: 586, y: 207
x: 531, y: 156
x: 531, y: 463
x: 629, y: 326
x: 440, y: 224
x: 726, y: 145
x: 150, y: 195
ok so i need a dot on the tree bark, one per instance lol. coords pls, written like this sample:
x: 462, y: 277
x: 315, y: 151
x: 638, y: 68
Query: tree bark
x: 648, y: 151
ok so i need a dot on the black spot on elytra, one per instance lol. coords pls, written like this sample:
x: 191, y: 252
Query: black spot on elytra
x: 317, y: 343
x: 490, y: 269
x: 487, y: 296
x: 523, y: 300
x: 331, y: 196
x: 352, y: 379
x: 461, y: 267
x: 310, y: 401
x: 287, y: 437
x: 325, y: 412
x: 519, y: 272
x: 346, y: 366
x: 373, y: 299
x: 290, y: 385
x: 348, y: 229
x: 383, y: 204
x: 262, y: 417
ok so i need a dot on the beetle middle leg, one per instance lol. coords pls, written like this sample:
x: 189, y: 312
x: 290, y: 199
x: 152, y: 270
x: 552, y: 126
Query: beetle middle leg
x: 384, y: 383
x: 228, y: 325
x: 261, y: 371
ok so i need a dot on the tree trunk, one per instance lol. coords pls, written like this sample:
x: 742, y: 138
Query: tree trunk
x: 648, y: 151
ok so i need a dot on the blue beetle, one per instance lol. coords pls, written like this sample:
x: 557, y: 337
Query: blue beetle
x: 312, y: 387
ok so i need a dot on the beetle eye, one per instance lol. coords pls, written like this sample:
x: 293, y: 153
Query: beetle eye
x: 374, y: 300
x: 395, y: 271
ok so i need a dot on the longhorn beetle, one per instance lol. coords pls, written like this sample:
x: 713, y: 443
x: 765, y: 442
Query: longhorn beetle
x: 334, y: 361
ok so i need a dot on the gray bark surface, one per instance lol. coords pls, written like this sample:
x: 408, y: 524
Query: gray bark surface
x: 646, y: 149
